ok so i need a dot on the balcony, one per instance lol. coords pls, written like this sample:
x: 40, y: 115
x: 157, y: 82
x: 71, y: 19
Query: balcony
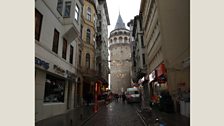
x: 87, y: 72
x: 71, y: 32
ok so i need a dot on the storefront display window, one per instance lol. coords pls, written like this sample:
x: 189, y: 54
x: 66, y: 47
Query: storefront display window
x: 54, y: 89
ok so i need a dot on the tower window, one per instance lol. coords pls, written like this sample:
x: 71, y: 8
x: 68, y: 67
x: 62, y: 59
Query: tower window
x: 88, y: 16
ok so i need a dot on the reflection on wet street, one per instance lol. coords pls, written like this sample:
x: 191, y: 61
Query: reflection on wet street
x: 116, y: 114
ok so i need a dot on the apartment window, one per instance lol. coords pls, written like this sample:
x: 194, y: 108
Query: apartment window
x: 71, y: 54
x: 88, y: 32
x: 87, y: 60
x: 67, y: 9
x: 76, y: 12
x: 64, y: 49
x: 38, y: 24
x: 142, y: 41
x: 143, y: 59
x: 134, y: 63
x: 81, y: 31
x: 88, y: 14
x: 80, y: 57
x: 55, y: 41
x: 60, y: 6
x: 140, y: 22
x: 94, y: 20
x: 54, y: 89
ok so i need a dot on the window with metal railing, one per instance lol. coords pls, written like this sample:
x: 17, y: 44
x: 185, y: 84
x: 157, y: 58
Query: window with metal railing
x: 67, y: 9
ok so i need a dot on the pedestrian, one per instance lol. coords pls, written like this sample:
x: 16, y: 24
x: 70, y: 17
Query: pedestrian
x: 116, y: 97
x: 123, y: 97
x: 88, y: 98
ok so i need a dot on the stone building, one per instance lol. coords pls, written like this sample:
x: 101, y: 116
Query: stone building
x: 120, y: 57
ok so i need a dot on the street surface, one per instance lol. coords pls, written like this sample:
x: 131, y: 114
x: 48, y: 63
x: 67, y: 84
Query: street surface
x: 116, y: 114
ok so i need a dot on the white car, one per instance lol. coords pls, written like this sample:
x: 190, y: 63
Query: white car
x: 133, y: 95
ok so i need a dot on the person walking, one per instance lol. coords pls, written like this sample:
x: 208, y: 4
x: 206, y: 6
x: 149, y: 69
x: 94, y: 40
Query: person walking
x: 123, y: 97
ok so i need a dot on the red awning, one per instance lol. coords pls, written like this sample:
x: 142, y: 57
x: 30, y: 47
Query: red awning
x: 161, y: 69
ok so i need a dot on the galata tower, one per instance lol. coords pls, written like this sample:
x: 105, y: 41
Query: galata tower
x: 120, y: 57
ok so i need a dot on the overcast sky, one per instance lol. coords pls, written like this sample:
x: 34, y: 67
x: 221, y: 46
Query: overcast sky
x: 128, y: 9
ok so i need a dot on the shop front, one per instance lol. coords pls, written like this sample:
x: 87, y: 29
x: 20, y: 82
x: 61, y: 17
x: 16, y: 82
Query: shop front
x: 144, y: 89
x: 54, y: 89
x: 153, y: 89
x: 162, y: 77
x: 166, y: 103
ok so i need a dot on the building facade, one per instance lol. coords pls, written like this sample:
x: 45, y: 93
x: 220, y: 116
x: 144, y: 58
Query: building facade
x: 87, y: 51
x: 166, y: 27
x: 138, y: 49
x: 133, y: 49
x: 101, y: 53
x: 57, y: 27
x: 120, y: 57
x: 93, y: 54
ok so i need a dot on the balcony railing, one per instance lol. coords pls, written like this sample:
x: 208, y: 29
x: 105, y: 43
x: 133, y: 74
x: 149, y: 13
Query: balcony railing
x: 88, y: 71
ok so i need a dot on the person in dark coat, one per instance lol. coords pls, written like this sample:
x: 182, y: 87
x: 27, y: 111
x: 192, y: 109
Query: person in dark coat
x: 123, y: 97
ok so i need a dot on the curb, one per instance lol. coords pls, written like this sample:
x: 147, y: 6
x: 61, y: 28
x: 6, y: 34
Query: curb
x: 142, y: 118
x: 143, y: 121
x: 86, y: 120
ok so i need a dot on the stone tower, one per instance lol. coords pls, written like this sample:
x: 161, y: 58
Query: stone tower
x: 120, y: 56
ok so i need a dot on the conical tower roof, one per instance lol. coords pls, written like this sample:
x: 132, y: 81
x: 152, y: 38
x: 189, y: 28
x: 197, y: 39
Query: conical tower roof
x: 120, y: 23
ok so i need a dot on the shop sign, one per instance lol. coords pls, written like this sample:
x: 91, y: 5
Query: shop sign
x: 141, y: 80
x: 152, y: 76
x: 59, y: 69
x: 70, y: 75
x: 161, y: 70
x: 41, y: 63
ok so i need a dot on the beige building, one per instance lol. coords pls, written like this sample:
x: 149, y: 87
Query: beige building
x: 166, y: 26
x: 87, y: 51
x: 93, y: 54
x: 57, y: 26
x: 120, y: 56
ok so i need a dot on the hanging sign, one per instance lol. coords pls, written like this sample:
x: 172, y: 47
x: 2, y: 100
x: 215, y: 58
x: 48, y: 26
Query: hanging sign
x: 58, y: 69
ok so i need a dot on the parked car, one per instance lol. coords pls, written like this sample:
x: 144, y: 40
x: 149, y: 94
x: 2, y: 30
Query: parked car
x: 133, y: 95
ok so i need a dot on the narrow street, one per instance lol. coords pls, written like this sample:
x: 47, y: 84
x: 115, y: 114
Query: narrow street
x: 116, y: 114
x: 89, y: 53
